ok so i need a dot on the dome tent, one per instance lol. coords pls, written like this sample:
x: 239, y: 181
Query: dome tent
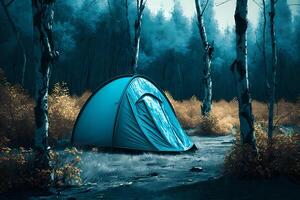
x: 130, y: 112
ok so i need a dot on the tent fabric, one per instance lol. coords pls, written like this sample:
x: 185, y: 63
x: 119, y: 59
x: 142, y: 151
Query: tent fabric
x: 132, y: 113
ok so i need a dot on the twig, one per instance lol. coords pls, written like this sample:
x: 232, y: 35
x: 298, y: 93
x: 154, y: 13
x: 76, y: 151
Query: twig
x: 204, y: 8
x: 219, y: 4
x: 282, y: 117
x: 257, y: 4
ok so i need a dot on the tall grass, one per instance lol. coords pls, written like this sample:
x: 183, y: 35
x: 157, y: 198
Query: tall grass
x: 17, y: 114
x: 280, y: 157
x: 224, y: 114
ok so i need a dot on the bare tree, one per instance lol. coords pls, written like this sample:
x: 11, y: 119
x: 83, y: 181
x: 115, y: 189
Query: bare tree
x: 140, y: 6
x: 44, y: 55
x: 17, y: 35
x: 264, y: 48
x: 207, y: 58
x: 127, y: 22
x: 274, y: 69
x: 240, y: 69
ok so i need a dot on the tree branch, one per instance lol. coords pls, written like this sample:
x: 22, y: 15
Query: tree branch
x: 224, y: 2
x: 8, y: 3
x: 204, y: 8
x: 257, y: 4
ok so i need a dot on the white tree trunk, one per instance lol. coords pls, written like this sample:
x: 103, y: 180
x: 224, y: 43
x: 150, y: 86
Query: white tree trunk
x: 274, y: 69
x: 44, y: 55
x: 240, y: 69
x: 18, y: 38
x: 140, y: 6
x: 267, y: 87
x: 207, y: 57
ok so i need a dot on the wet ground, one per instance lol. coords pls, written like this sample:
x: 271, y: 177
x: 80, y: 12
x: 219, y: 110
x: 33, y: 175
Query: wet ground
x: 192, y: 175
x: 146, y: 173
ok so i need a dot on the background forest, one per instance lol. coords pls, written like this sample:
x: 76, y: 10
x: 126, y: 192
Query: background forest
x: 94, y: 37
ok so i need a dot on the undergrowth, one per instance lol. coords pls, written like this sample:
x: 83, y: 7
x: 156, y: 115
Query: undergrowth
x: 279, y: 157
x: 224, y: 115
x: 17, y: 113
x: 18, y: 171
x: 17, y: 129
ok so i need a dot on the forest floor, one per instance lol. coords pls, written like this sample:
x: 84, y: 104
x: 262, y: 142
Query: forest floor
x: 191, y: 175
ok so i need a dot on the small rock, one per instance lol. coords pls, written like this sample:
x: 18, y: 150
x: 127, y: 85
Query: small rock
x: 153, y: 174
x: 196, y: 169
x: 126, y: 184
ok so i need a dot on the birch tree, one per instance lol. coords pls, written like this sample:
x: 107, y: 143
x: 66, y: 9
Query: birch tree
x: 140, y: 6
x: 44, y: 55
x: 240, y: 70
x: 16, y: 32
x: 207, y: 59
x: 267, y: 86
x: 274, y: 69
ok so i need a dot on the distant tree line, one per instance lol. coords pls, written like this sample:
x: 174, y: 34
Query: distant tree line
x: 96, y: 43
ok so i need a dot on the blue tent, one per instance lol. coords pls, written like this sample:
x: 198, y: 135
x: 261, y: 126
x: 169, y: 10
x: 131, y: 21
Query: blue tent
x: 130, y: 112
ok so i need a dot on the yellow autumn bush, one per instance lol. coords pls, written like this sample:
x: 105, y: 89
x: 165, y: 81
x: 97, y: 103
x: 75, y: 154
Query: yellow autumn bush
x: 224, y: 115
x: 280, y: 157
x: 17, y: 113
x: 17, y: 169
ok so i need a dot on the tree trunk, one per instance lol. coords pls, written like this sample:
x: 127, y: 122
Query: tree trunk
x: 207, y: 57
x: 274, y: 68
x: 44, y: 55
x: 140, y: 6
x: 129, y: 51
x: 240, y: 69
x: 18, y: 38
x: 180, y: 82
x: 267, y: 86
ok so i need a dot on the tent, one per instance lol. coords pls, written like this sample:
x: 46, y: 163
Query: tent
x: 130, y: 112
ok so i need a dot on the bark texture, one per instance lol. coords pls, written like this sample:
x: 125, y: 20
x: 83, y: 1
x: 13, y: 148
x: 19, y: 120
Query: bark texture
x: 17, y: 35
x: 274, y: 70
x: 267, y: 86
x: 44, y: 55
x: 207, y: 58
x: 240, y: 69
x: 140, y: 6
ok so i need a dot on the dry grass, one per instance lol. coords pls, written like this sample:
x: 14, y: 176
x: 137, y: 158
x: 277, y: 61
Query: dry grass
x: 63, y: 111
x: 17, y: 113
x: 224, y: 115
x: 281, y: 157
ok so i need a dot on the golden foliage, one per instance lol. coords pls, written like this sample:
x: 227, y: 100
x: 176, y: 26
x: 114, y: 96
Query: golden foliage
x: 17, y: 169
x: 66, y: 169
x: 281, y: 156
x: 17, y: 113
x: 63, y: 110
x: 224, y: 114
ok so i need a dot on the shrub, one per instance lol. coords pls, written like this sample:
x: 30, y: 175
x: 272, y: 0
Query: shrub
x: 17, y: 170
x: 280, y: 157
x: 63, y: 111
x: 220, y: 121
x: 17, y: 113
x: 224, y: 115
